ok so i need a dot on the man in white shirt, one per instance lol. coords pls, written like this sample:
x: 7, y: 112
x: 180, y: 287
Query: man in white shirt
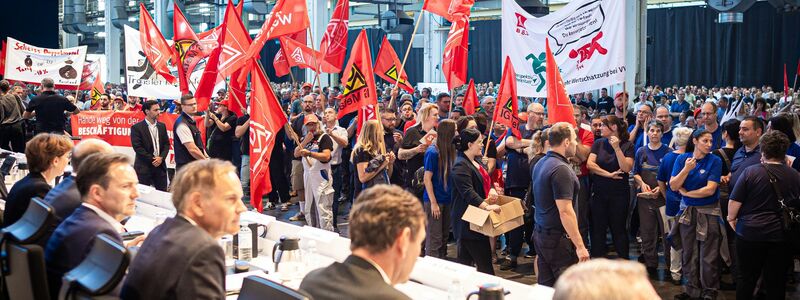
x: 339, y: 136
x: 107, y: 184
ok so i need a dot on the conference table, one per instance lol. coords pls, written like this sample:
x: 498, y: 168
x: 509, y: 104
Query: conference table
x: 431, y: 278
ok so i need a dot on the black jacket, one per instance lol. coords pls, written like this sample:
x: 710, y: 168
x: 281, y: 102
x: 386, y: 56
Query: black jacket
x: 467, y: 190
x: 142, y: 144
x: 32, y: 185
x: 177, y: 261
x: 354, y: 279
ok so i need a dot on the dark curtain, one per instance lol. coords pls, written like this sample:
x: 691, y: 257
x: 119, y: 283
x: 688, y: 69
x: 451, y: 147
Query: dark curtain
x: 485, y: 61
x: 689, y: 47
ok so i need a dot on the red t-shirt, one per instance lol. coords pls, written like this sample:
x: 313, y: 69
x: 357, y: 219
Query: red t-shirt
x: 586, y: 138
x: 137, y: 107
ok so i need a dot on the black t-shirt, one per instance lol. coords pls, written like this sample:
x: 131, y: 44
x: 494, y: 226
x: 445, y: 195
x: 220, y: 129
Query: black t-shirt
x: 244, y: 142
x: 518, y: 169
x: 605, y: 103
x: 223, y: 138
x: 323, y: 143
x: 362, y: 156
x: 759, y: 217
x: 410, y: 141
x: 50, y: 108
x: 607, y: 160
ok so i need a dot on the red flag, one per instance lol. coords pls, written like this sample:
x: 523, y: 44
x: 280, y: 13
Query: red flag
x: 97, y: 91
x: 2, y: 57
x: 334, y: 42
x: 240, y: 8
x: 559, y: 107
x: 454, y: 59
x: 387, y: 64
x: 471, y: 99
x: 205, y: 88
x: 279, y: 63
x: 234, y: 43
x: 91, y: 70
x: 300, y: 55
x: 288, y: 16
x: 449, y: 9
x: 358, y: 79
x: 154, y: 46
x: 785, y: 84
x: 188, y: 49
x: 237, y: 92
x: 507, y: 110
x: 266, y: 119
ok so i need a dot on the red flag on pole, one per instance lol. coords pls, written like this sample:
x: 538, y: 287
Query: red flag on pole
x: 454, y: 59
x: 154, y: 46
x: 266, y: 119
x: 386, y: 66
x: 188, y: 50
x: 785, y: 84
x: 471, y: 99
x: 358, y: 79
x: 237, y: 92
x: 507, y: 110
x: 300, y: 55
x: 2, y: 57
x: 288, y: 16
x: 559, y: 107
x: 234, y: 43
x: 334, y: 43
x: 91, y: 70
x: 205, y: 88
x: 240, y: 8
x: 449, y: 9
x: 97, y: 91
x: 279, y: 63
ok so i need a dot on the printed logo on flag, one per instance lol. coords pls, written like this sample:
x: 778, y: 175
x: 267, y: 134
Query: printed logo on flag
x: 539, y: 69
x: 392, y: 73
x: 521, y: 29
x: 297, y: 56
x: 259, y: 137
x: 507, y: 113
x: 356, y: 82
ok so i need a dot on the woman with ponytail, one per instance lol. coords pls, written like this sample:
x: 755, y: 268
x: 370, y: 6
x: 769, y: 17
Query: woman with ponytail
x: 439, y: 158
x: 471, y: 186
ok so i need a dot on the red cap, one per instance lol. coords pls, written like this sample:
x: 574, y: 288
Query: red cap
x: 225, y: 102
x: 306, y: 85
x: 310, y: 118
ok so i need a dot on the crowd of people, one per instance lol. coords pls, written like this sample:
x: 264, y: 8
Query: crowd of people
x: 690, y: 174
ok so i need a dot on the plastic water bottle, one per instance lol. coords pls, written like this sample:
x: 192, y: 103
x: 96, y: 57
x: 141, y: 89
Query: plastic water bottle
x: 245, y: 243
x: 454, y: 292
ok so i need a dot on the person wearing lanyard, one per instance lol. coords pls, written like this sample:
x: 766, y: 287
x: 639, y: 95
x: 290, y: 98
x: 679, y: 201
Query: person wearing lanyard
x: 696, y: 176
x: 610, y: 161
x: 471, y: 186
x: 651, y: 203
x: 680, y: 139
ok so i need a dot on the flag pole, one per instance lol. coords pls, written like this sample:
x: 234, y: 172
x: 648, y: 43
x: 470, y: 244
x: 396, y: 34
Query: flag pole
x: 316, y: 62
x: 486, y: 147
x: 405, y: 56
x: 452, y: 99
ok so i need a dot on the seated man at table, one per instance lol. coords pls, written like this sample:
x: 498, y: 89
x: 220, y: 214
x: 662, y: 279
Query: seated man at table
x: 181, y: 259
x: 387, y: 225
x: 107, y: 183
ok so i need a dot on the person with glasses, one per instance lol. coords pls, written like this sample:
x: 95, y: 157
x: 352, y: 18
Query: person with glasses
x: 643, y: 117
x: 708, y: 122
x: 188, y: 144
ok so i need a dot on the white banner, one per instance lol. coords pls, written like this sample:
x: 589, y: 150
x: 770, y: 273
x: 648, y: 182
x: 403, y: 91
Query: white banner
x: 587, y: 38
x: 436, y: 88
x: 29, y: 63
x: 143, y: 80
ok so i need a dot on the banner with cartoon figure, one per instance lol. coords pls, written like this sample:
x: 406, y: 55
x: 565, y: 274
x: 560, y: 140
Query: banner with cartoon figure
x: 587, y: 38
x: 143, y: 80
x: 29, y: 63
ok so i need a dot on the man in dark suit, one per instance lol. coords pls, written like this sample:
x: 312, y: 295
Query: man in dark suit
x: 150, y: 142
x: 108, y: 185
x: 64, y: 197
x: 387, y: 225
x: 181, y: 258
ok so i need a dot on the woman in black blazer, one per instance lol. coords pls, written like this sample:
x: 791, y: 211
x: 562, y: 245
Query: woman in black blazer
x: 471, y: 186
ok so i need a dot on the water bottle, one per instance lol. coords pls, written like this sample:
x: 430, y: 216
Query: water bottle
x: 454, y: 292
x: 311, y: 251
x: 245, y: 243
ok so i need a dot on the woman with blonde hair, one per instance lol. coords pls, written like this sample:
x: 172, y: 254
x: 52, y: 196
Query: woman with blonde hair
x: 373, y: 163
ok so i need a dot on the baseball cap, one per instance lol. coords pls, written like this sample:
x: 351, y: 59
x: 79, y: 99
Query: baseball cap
x: 225, y: 102
x: 310, y: 118
x: 305, y: 85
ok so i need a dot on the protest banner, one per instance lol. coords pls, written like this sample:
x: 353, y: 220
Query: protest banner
x: 143, y: 80
x: 28, y: 63
x: 588, y: 40
x: 115, y: 128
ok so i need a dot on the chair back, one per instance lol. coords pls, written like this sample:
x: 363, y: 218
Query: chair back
x: 255, y: 288
x: 100, y: 272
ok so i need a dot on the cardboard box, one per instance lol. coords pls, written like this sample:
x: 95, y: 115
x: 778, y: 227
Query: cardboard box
x: 490, y: 223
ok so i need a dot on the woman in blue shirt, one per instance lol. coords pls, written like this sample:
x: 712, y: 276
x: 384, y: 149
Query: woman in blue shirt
x: 680, y: 139
x: 645, y: 170
x: 610, y: 161
x: 439, y: 158
x: 696, y: 175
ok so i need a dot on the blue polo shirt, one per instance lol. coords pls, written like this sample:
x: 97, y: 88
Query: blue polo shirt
x: 679, y: 107
x: 716, y: 141
x: 554, y: 179
x: 666, y: 138
x: 652, y: 157
x: 741, y: 160
x: 432, y: 165
x: 639, y: 142
x: 708, y: 169
x: 664, y: 173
